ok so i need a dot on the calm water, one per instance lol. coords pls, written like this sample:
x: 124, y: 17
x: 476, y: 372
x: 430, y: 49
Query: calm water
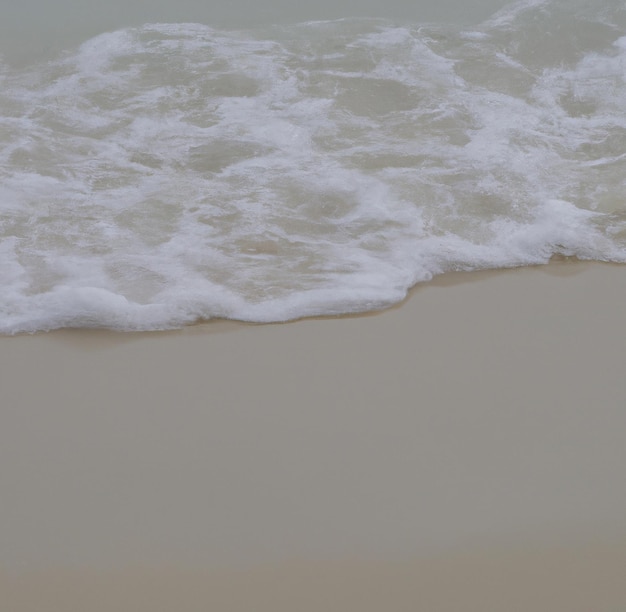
x: 267, y: 162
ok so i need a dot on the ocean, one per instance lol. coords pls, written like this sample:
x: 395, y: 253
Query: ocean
x: 264, y: 162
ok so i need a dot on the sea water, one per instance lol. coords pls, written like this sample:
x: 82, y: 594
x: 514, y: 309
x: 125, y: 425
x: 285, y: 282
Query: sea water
x: 260, y: 167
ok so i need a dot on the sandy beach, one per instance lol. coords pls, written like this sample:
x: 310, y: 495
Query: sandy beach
x: 464, y: 450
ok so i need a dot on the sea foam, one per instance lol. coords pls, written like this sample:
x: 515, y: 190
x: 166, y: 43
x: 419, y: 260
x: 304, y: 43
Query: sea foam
x: 168, y: 173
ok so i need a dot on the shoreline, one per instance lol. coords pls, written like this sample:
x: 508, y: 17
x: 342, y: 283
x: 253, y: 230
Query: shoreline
x: 557, y: 267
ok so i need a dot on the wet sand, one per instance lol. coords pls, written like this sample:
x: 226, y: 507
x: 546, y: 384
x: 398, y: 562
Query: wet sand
x: 464, y: 450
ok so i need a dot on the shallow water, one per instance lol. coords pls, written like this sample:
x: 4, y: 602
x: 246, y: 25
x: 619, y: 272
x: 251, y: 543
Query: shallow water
x: 265, y: 168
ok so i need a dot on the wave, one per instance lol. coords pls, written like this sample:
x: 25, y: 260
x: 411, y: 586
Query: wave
x: 169, y: 173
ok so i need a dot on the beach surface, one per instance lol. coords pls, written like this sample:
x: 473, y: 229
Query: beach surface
x: 575, y: 579
x: 464, y: 450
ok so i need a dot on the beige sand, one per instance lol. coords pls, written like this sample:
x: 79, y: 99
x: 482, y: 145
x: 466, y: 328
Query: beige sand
x: 464, y: 451
x: 580, y: 579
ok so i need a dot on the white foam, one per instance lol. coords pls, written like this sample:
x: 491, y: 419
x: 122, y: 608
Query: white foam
x: 173, y: 172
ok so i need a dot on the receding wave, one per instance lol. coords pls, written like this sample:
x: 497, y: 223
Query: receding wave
x: 164, y: 174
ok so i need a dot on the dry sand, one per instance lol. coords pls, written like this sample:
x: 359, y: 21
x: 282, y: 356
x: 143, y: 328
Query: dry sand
x: 580, y: 579
x: 464, y: 451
